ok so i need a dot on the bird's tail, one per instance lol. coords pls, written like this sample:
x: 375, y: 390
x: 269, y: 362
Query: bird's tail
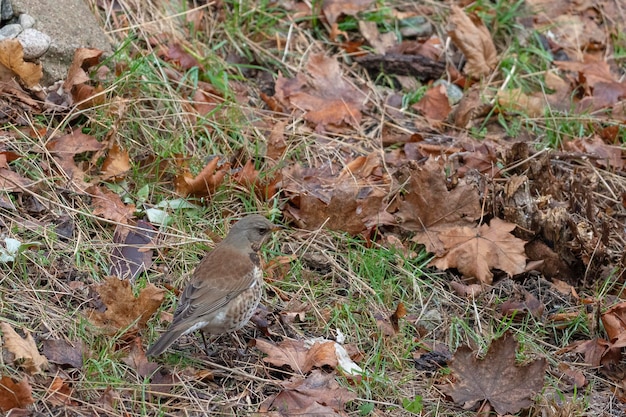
x: 164, y: 342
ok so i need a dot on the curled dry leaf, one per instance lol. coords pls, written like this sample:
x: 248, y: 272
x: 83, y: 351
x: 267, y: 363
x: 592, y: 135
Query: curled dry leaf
x: 203, y: 184
x: 472, y: 37
x: 123, y: 309
x: 435, y: 105
x: 24, y: 350
x: 347, y: 202
x: 65, y: 147
x: 333, y: 9
x: 12, y: 58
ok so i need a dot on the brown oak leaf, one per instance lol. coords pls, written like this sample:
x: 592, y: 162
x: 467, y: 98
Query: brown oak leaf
x: 496, y: 378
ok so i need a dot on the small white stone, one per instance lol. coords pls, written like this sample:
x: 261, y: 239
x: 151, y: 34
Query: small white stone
x: 26, y: 21
x: 10, y: 31
x: 34, y: 42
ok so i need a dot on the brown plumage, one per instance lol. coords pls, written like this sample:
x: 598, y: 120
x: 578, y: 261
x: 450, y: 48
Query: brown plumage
x: 225, y: 287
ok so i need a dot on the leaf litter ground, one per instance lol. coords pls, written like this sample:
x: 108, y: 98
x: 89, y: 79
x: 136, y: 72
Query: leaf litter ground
x: 428, y: 229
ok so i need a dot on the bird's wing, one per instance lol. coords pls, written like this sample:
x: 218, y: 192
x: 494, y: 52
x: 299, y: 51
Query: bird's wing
x: 222, y: 275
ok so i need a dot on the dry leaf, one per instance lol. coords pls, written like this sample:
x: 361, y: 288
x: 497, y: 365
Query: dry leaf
x: 25, y: 351
x: 474, y: 251
x: 64, y: 353
x: 116, y: 163
x: 59, y: 393
x: 347, y: 202
x: 107, y: 204
x: 77, y: 78
x: 496, y: 378
x: 12, y: 57
x: 472, y: 37
x: 325, y: 96
x: 332, y: 9
x: 138, y: 360
x: 316, y: 395
x: 297, y: 356
x: 123, y: 309
x: 434, y: 105
x: 14, y: 395
x: 133, y: 254
x: 203, y: 184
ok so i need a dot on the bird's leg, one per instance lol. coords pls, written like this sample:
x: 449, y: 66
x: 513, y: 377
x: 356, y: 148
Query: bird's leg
x: 206, y: 346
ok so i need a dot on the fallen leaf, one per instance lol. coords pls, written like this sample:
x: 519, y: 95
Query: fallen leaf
x: 178, y: 55
x: 390, y: 326
x: 296, y: 355
x: 380, y: 42
x: 12, y: 57
x: 115, y: 164
x: 12, y: 181
x: 65, y: 353
x: 24, y: 350
x: 332, y: 9
x: 317, y: 394
x: 132, y: 255
x: 107, y: 204
x: 496, y: 378
x: 123, y: 309
x: 426, y: 206
x: 59, y: 393
x: 64, y: 148
x: 77, y: 78
x: 346, y: 202
x: 521, y: 308
x: 325, y: 95
x: 474, y: 251
x: 203, y: 184
x: 472, y: 37
x: 14, y: 394
x: 434, y: 105
x: 138, y: 360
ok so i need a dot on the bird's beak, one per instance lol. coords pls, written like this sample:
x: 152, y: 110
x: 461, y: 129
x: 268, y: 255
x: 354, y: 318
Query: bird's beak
x: 278, y: 227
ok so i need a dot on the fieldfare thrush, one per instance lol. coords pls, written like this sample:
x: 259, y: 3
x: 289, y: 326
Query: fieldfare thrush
x: 225, y: 288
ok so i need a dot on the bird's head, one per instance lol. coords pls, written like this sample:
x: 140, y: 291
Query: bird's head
x: 251, y: 230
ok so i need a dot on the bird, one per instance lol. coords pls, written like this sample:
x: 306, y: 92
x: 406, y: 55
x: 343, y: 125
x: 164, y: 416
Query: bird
x: 225, y: 288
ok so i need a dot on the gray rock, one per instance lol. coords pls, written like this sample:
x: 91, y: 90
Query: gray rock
x: 455, y: 94
x: 26, y: 20
x: 71, y: 25
x: 6, y: 10
x: 10, y: 31
x: 415, y: 26
x: 34, y: 42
